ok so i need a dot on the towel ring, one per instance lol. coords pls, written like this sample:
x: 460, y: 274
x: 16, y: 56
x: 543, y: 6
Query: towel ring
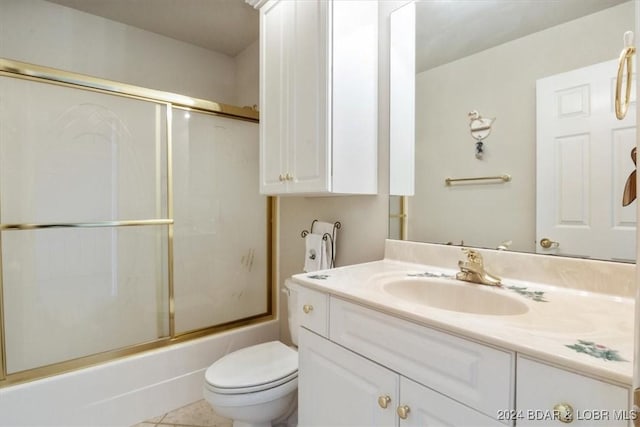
x: 626, y: 58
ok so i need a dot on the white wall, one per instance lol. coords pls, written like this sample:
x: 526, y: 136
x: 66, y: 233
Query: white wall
x: 51, y: 35
x: 248, y: 75
x: 499, y: 82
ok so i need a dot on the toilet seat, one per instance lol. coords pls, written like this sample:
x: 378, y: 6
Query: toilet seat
x: 253, y: 369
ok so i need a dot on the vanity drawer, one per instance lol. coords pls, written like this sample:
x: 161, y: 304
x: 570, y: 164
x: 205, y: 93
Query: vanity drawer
x: 593, y: 402
x: 313, y: 310
x: 479, y: 376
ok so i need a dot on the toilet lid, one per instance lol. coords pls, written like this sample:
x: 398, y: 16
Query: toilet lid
x: 253, y: 368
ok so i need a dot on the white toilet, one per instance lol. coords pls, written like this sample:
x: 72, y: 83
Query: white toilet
x: 256, y: 385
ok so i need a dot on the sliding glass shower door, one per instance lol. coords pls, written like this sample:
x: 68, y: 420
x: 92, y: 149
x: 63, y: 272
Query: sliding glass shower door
x: 82, y: 187
x: 125, y: 222
x: 220, y: 233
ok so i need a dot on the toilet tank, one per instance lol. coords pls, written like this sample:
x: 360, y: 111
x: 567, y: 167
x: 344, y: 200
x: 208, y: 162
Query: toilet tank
x: 291, y: 289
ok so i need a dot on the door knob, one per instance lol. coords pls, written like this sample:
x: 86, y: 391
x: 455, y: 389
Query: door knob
x: 384, y: 401
x: 403, y: 411
x: 548, y: 243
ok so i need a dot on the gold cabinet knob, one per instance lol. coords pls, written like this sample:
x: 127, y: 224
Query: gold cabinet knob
x: 281, y: 178
x: 403, y: 411
x: 307, y: 308
x: 548, y: 243
x: 564, y: 412
x: 384, y: 401
x: 288, y: 177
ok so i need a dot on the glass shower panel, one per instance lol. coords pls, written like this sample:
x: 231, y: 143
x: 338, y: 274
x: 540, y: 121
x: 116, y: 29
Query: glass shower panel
x: 73, y: 155
x: 220, y: 232
x: 75, y: 292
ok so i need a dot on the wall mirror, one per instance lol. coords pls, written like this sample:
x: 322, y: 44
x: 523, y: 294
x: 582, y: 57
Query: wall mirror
x: 544, y: 72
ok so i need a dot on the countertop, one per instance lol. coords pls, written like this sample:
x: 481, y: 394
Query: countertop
x: 588, y: 332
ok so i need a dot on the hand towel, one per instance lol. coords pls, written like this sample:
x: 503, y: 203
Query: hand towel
x: 315, y: 252
x: 330, y: 252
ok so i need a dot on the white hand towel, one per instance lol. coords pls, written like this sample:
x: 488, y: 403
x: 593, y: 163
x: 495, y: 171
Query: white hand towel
x: 327, y: 227
x: 315, y: 251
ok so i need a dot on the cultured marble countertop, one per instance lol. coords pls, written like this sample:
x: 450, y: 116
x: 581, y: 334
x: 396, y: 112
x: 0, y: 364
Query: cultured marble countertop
x: 591, y: 333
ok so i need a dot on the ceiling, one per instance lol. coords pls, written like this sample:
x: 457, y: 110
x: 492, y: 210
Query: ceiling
x: 225, y: 26
x: 447, y: 30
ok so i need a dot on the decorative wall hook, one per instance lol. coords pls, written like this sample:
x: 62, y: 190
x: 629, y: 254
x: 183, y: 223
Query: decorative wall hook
x: 629, y: 194
x: 480, y: 129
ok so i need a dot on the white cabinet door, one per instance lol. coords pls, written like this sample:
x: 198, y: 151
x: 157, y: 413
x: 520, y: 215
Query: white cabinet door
x: 274, y: 80
x: 339, y: 388
x: 541, y: 387
x: 429, y: 408
x: 308, y: 143
x: 294, y: 81
x: 318, y: 97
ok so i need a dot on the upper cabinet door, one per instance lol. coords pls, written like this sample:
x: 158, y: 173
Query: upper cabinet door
x: 318, y: 104
x: 308, y: 149
x: 274, y: 77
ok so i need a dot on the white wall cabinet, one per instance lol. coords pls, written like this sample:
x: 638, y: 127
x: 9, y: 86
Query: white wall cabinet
x: 360, y: 366
x: 318, y: 97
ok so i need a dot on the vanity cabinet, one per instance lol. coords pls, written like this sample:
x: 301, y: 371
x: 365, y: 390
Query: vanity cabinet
x: 337, y: 387
x: 361, y: 366
x: 374, y: 369
x: 545, y: 394
x: 318, y: 97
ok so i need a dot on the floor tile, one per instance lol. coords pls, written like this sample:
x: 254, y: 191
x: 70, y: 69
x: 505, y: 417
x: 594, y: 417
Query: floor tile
x: 198, y: 414
x: 156, y: 420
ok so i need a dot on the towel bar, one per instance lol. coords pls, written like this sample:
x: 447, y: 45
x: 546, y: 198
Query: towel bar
x: 325, y: 237
x: 504, y: 178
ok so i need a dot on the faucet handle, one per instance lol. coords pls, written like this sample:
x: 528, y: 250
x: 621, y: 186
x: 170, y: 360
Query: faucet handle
x: 473, y: 256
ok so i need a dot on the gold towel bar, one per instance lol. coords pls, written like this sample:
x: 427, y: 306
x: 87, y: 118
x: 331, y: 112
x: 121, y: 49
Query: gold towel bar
x: 126, y: 223
x: 504, y: 178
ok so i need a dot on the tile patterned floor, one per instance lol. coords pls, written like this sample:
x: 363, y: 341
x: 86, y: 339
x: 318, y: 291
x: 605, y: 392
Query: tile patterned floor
x: 197, y: 414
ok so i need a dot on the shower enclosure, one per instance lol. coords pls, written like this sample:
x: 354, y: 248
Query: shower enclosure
x: 129, y: 219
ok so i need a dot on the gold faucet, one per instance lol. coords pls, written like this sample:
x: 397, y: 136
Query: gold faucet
x: 472, y: 270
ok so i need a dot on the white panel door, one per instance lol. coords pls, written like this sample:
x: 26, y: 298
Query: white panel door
x: 339, y: 388
x: 583, y: 161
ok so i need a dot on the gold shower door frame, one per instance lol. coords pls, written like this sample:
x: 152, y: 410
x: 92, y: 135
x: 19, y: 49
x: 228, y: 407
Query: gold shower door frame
x: 21, y: 70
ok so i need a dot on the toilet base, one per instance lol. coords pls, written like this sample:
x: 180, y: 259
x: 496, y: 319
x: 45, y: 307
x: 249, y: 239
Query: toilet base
x: 243, y: 424
x: 258, y: 415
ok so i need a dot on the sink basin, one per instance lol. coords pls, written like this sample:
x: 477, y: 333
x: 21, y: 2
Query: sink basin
x: 452, y: 295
